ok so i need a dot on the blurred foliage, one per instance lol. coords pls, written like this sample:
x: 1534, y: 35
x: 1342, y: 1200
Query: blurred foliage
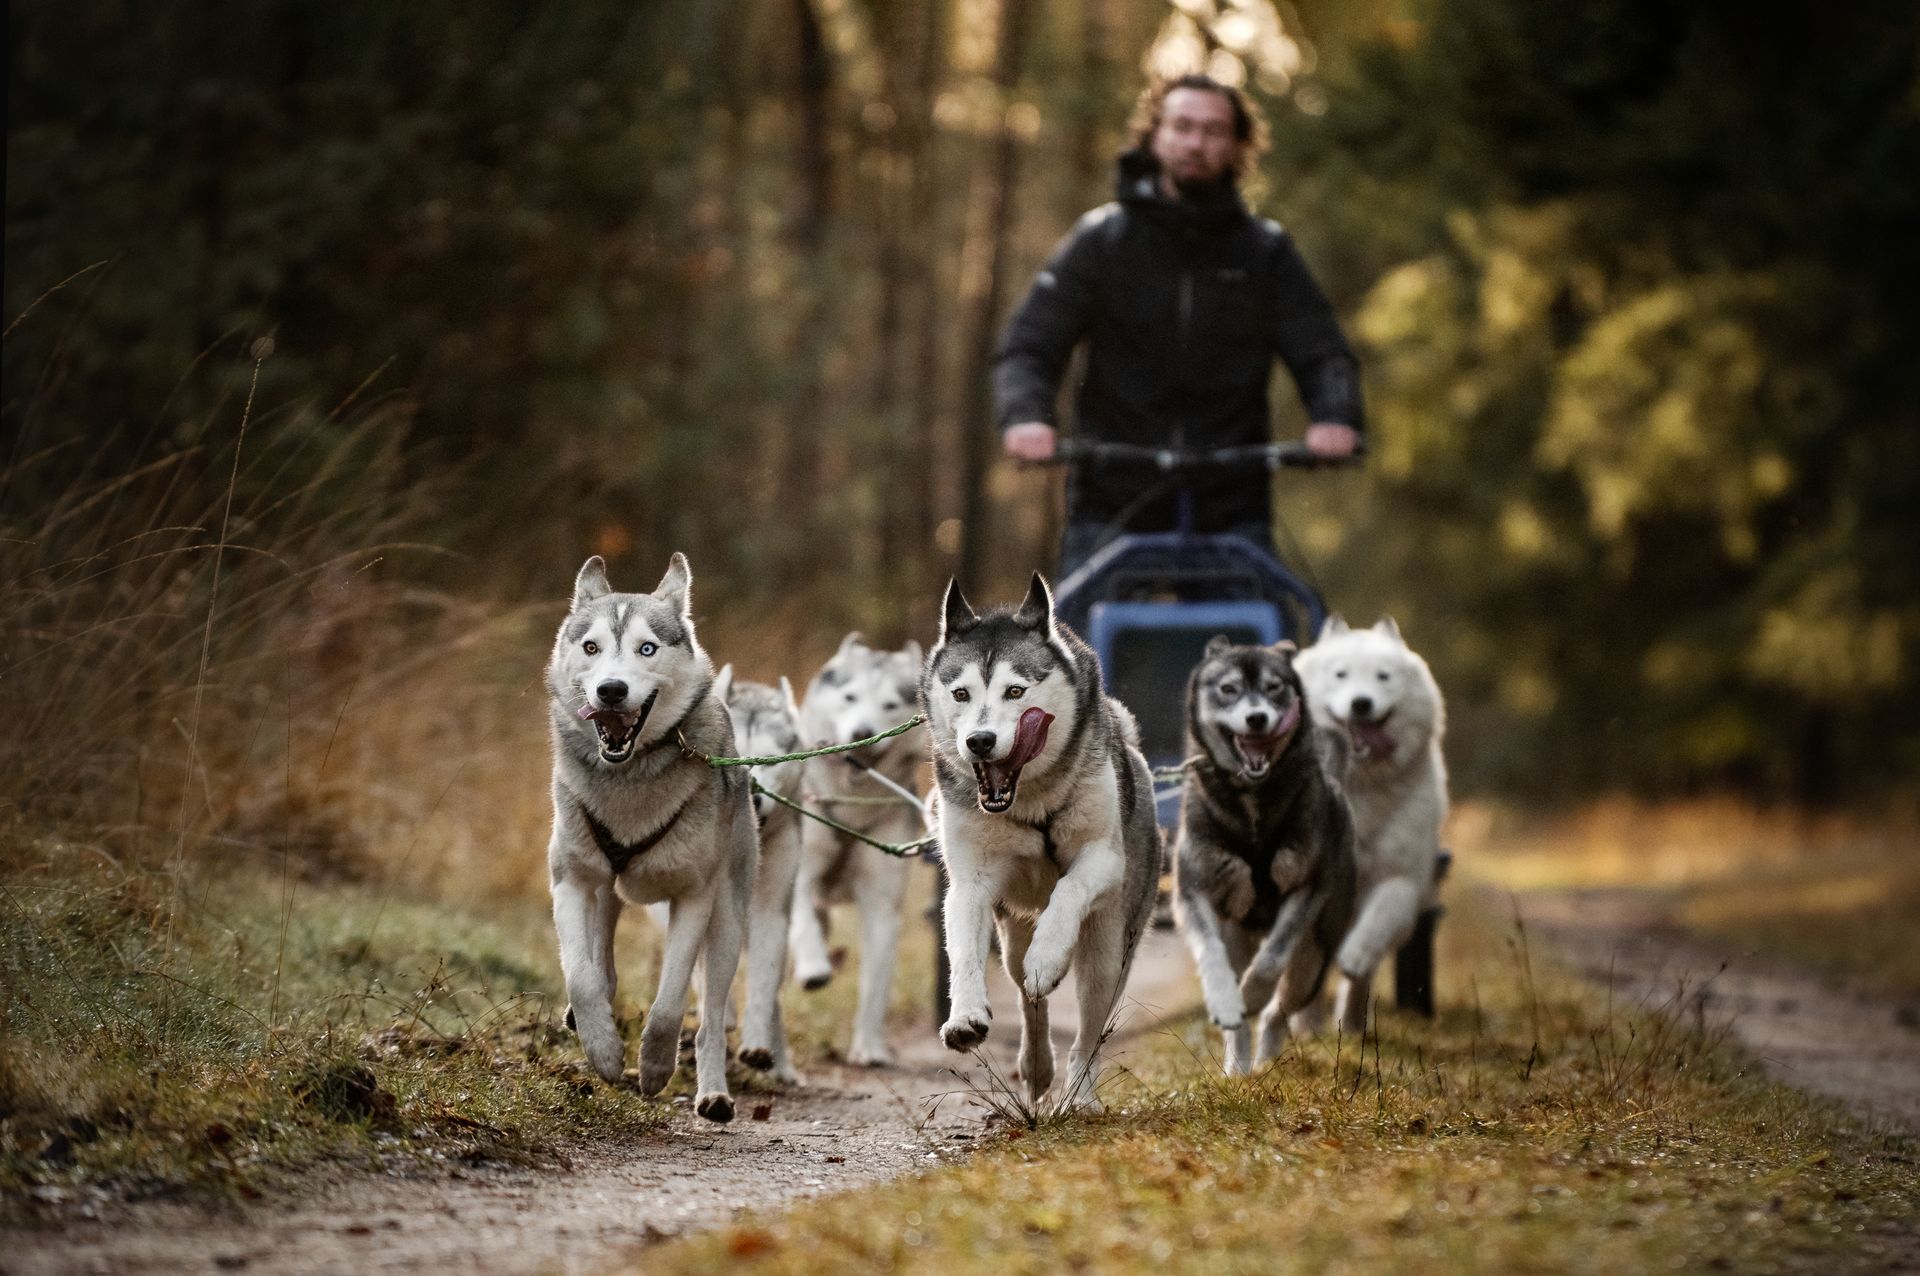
x: 1635, y: 284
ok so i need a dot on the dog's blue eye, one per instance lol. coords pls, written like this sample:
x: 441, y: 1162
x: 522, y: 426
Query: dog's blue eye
x: 647, y: 649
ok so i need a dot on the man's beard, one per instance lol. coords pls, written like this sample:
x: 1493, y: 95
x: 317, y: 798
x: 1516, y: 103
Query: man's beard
x: 1200, y: 190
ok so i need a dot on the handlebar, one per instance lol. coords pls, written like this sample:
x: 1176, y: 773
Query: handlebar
x: 1269, y: 456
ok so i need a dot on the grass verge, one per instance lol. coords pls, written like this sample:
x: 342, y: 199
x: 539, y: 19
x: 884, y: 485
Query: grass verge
x: 1532, y: 1127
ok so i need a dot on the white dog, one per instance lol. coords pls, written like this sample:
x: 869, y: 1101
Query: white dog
x: 1370, y: 683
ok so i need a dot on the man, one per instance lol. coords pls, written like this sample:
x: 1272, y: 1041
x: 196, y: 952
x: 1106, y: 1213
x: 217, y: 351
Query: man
x: 1185, y: 299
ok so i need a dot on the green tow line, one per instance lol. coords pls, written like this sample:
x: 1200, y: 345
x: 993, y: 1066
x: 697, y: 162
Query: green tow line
x: 901, y: 850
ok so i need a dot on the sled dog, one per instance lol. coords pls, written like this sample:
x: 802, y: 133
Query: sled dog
x: 861, y: 692
x: 766, y: 723
x: 1263, y: 867
x: 1368, y: 683
x: 1046, y: 820
x: 637, y: 820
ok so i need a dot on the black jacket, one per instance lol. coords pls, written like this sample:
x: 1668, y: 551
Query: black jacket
x: 1185, y: 305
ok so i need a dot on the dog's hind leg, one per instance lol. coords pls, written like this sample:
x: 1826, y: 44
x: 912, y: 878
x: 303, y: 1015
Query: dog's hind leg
x: 1036, y: 1037
x: 1351, y: 1003
x: 724, y: 935
x: 812, y: 966
x: 583, y: 917
x: 762, y: 1035
x: 660, y: 1039
x: 1299, y: 989
x: 880, y: 894
x: 1100, y: 963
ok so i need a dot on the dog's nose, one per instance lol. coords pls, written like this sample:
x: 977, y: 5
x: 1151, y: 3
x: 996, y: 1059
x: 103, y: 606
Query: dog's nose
x: 863, y: 731
x: 611, y: 692
x: 1362, y: 706
x: 980, y: 743
x: 1257, y: 721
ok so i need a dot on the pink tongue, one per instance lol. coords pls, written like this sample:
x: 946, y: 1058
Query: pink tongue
x: 1028, y: 739
x: 1374, y: 740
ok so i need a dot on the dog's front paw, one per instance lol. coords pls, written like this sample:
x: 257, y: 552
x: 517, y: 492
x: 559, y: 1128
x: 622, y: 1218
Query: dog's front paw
x: 871, y: 1055
x: 1225, y: 1004
x: 715, y: 1107
x: 759, y: 1058
x: 967, y: 1029
x: 1045, y: 967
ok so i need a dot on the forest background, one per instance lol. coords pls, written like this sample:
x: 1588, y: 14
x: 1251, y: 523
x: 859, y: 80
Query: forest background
x: 339, y: 333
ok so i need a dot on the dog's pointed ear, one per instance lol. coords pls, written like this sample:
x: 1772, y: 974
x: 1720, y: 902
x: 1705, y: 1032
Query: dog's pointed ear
x: 956, y: 613
x: 1333, y: 626
x: 786, y: 690
x: 1217, y: 645
x: 591, y: 583
x: 676, y: 587
x: 852, y: 640
x: 1036, y: 609
x: 1286, y: 649
x: 914, y: 655
x: 1385, y: 625
x: 723, y: 682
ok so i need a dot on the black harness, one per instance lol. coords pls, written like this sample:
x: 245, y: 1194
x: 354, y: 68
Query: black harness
x: 620, y: 854
x: 1045, y: 830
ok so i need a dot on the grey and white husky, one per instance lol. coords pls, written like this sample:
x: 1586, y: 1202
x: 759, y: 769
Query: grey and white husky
x: 766, y: 722
x: 1046, y: 822
x: 1263, y: 868
x: 636, y: 820
x: 861, y: 692
x: 1370, y: 684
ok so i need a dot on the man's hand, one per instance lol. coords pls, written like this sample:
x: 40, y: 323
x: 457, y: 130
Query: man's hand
x: 1029, y: 441
x: 1324, y: 438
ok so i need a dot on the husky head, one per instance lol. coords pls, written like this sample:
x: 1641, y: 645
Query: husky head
x: 1369, y: 682
x: 1245, y: 705
x: 626, y: 668
x: 766, y: 722
x: 996, y: 685
x: 861, y: 692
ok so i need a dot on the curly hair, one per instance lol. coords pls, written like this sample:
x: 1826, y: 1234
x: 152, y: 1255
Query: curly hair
x: 1249, y: 127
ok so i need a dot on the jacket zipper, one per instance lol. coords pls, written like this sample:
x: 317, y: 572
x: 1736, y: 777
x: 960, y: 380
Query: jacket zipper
x: 1186, y: 305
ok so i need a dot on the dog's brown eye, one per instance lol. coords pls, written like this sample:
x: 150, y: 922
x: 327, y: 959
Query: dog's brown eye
x: 1014, y: 693
x: 960, y: 694
x: 592, y: 648
x: 1231, y: 690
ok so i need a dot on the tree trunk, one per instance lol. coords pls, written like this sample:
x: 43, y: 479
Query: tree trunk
x: 982, y: 284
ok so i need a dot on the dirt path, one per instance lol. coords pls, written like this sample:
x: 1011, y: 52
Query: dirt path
x: 1806, y: 1032
x: 849, y: 1127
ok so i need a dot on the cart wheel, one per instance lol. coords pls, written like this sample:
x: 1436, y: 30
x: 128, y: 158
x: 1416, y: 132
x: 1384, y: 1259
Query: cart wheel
x: 1413, y: 964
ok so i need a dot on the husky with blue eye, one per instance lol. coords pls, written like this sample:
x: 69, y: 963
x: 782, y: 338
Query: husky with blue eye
x: 1264, y: 864
x: 1047, y: 825
x: 638, y: 818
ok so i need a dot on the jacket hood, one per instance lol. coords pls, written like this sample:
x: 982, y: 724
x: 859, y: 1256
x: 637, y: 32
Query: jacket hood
x: 1137, y: 185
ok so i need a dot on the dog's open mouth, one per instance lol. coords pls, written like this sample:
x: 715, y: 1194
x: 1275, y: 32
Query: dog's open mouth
x: 1371, y: 737
x: 618, y: 731
x: 1258, y: 752
x: 998, y: 780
